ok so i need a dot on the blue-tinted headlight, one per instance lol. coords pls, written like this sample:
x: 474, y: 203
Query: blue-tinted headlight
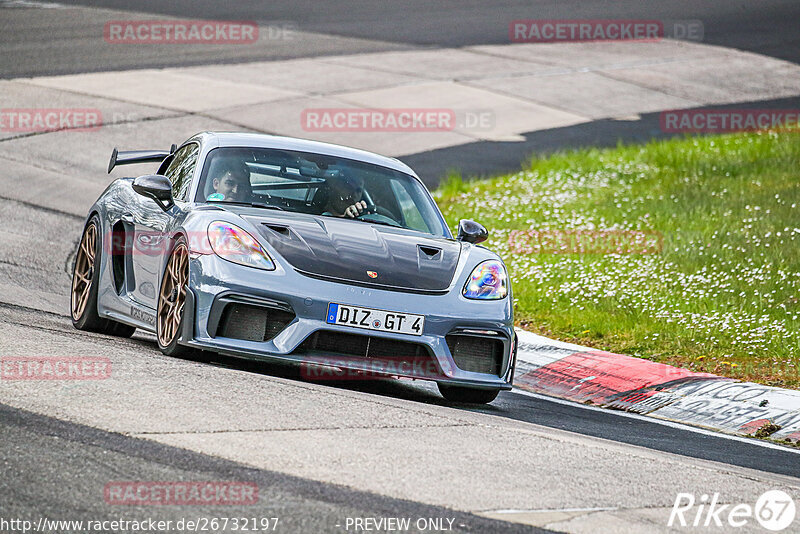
x: 488, y: 281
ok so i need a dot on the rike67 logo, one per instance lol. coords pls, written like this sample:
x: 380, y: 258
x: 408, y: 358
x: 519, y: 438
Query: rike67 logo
x: 775, y: 511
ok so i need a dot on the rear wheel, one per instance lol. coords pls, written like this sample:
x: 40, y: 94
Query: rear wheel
x: 172, y: 302
x: 468, y: 395
x: 85, y: 281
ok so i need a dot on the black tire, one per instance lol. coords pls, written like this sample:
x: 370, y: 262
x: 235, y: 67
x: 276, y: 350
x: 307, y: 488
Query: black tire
x: 172, y: 347
x: 118, y: 329
x: 179, y: 351
x: 86, y: 317
x: 467, y: 395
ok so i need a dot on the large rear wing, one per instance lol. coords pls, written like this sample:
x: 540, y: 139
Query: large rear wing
x: 137, y: 156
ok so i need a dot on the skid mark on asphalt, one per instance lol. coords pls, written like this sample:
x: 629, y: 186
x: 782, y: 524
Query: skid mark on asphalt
x: 30, y: 267
x: 60, y: 324
x: 305, y: 429
x: 19, y: 307
x: 69, y: 261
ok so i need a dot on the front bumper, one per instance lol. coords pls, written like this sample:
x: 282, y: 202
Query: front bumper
x: 214, y: 283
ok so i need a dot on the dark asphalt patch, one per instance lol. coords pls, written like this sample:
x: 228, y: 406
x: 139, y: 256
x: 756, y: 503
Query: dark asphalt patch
x: 492, y: 158
x: 40, y: 42
x: 58, y: 470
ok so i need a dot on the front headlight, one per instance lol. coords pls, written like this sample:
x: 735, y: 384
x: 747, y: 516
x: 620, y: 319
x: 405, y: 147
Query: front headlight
x: 231, y: 243
x: 488, y: 281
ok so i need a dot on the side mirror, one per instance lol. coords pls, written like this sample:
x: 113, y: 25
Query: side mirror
x: 157, y: 187
x: 471, y: 232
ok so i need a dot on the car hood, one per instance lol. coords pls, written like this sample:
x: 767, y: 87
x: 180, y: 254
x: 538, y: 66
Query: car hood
x: 344, y: 250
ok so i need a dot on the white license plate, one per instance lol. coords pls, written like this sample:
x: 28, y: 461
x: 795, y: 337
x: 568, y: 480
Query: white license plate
x: 370, y: 319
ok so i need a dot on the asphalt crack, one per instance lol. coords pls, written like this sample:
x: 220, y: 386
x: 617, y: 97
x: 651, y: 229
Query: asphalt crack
x: 30, y: 267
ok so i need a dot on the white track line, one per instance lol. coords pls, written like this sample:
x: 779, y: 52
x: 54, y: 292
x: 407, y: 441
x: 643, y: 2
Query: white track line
x: 672, y: 424
x: 547, y: 510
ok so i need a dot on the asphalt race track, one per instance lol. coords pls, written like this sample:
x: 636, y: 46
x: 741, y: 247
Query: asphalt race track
x: 362, y: 26
x: 324, y: 453
x: 54, y: 41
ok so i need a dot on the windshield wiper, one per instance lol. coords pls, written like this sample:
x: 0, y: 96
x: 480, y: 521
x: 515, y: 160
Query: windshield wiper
x: 266, y: 206
x: 251, y: 204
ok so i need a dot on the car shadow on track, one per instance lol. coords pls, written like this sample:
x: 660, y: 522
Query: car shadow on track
x: 421, y: 391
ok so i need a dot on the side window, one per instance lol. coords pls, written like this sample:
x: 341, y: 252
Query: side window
x: 181, y: 169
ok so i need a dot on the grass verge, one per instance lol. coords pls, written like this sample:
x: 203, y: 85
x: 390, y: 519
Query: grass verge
x: 683, y: 251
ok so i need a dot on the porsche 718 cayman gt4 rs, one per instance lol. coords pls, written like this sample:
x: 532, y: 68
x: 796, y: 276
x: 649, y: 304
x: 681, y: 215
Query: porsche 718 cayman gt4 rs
x: 285, y: 249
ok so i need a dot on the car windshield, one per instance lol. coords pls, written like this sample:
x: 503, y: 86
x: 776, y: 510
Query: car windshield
x: 318, y: 184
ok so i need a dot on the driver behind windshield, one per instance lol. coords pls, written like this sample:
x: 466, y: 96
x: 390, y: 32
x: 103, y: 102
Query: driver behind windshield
x: 345, y: 197
x: 231, y: 181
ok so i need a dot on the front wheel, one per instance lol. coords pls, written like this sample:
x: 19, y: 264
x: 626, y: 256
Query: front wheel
x: 172, y: 301
x: 467, y: 395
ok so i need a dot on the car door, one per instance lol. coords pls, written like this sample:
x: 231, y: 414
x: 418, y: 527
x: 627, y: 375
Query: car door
x: 151, y: 225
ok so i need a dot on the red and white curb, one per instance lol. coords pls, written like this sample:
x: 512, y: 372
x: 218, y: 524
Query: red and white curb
x: 586, y: 375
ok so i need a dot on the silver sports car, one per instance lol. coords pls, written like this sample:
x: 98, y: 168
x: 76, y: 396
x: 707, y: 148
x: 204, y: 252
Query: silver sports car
x: 286, y: 249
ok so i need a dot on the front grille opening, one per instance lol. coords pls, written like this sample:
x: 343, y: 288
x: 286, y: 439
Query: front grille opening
x: 356, y: 345
x: 252, y: 323
x: 476, y: 354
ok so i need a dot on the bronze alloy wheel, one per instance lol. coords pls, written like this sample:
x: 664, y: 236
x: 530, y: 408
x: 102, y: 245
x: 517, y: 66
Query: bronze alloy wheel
x: 172, y: 298
x: 84, y: 271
